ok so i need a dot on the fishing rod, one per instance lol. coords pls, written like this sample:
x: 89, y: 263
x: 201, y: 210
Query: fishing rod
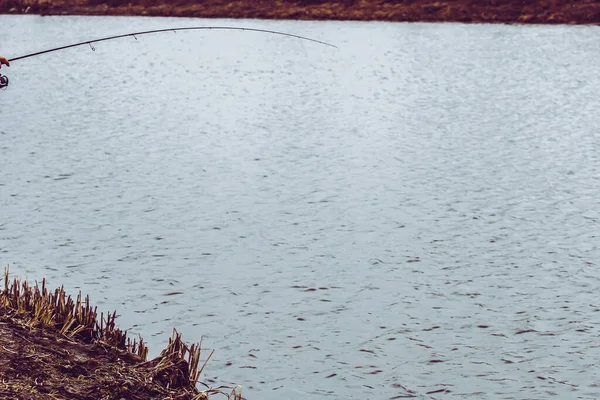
x: 4, y: 79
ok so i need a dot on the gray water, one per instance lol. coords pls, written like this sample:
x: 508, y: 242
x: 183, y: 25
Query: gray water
x: 414, y: 214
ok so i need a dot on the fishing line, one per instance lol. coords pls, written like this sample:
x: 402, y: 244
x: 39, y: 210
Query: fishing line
x: 4, y: 79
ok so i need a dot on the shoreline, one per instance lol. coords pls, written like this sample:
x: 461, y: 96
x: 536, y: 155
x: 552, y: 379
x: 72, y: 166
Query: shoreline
x: 463, y: 11
x: 55, y: 346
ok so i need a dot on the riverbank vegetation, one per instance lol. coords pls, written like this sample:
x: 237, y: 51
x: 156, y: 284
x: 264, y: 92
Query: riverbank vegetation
x: 486, y: 11
x: 55, y: 347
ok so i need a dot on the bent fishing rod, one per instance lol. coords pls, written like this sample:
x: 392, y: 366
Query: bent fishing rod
x: 4, y: 79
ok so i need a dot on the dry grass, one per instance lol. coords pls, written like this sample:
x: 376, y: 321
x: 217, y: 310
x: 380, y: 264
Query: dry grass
x: 55, y: 347
x: 488, y: 11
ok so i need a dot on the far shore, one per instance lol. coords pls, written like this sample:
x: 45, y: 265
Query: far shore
x: 466, y: 11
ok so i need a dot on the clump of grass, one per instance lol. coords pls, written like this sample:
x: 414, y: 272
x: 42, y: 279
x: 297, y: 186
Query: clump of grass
x: 71, y: 318
x: 96, y: 360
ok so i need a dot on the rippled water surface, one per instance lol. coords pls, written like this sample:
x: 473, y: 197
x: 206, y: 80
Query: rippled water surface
x: 414, y: 214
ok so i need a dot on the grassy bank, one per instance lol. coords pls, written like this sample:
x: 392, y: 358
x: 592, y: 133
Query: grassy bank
x: 486, y: 11
x: 55, y: 347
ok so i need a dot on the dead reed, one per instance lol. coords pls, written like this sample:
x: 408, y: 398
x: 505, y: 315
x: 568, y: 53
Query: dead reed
x: 75, y: 319
x: 33, y: 320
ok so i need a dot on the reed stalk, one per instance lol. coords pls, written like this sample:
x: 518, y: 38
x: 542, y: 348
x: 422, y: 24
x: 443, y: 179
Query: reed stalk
x: 176, y: 369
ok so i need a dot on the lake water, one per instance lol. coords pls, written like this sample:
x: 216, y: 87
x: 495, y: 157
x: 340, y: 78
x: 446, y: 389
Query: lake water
x: 413, y: 214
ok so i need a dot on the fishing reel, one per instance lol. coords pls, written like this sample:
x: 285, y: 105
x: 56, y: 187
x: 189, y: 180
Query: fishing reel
x: 3, y: 81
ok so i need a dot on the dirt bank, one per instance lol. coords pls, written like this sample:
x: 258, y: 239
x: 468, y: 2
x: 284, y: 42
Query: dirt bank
x: 55, y: 347
x: 485, y: 11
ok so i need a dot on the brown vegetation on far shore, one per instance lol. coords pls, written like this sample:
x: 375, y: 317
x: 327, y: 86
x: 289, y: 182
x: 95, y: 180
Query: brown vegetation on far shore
x: 486, y: 11
x: 54, y: 347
